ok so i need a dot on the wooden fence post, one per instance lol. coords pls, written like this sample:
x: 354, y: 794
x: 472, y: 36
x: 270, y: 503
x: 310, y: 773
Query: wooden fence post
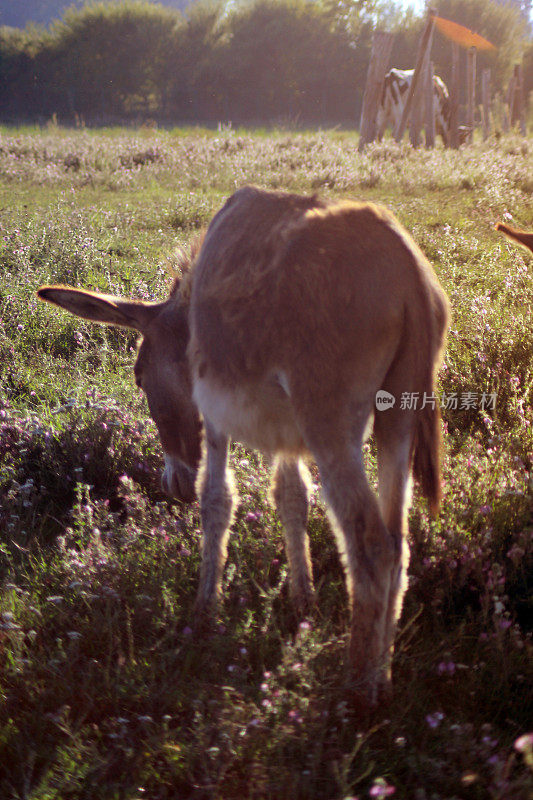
x: 379, y: 61
x: 507, y: 106
x: 419, y: 102
x: 430, y: 107
x: 415, y: 123
x: 516, y: 104
x: 471, y: 92
x: 454, y: 97
x: 425, y: 44
x: 485, y: 101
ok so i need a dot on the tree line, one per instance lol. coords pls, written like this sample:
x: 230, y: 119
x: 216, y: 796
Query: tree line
x: 17, y: 13
x: 264, y: 61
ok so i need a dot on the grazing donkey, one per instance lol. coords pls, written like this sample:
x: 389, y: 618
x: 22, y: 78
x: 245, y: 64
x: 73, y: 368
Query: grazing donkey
x: 524, y: 238
x: 294, y: 314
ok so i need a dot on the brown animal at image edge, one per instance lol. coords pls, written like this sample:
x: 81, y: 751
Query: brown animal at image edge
x: 293, y: 314
x: 524, y: 238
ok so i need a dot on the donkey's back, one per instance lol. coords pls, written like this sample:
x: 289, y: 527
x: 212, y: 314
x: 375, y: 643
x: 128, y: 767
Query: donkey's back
x: 314, y: 306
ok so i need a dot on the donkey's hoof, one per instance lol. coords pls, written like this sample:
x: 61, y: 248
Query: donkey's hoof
x: 373, y: 690
x: 303, y: 602
x: 385, y: 692
x: 367, y: 686
x: 363, y: 700
x: 204, y: 618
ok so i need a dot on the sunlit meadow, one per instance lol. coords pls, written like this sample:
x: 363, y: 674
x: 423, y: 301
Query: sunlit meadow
x: 105, y: 692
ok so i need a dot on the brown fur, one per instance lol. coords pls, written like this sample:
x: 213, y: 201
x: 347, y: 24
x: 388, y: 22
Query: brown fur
x: 294, y: 314
x: 329, y: 302
x: 524, y: 238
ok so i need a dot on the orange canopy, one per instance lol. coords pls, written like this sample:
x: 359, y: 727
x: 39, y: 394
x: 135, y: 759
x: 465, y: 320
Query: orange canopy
x: 461, y: 35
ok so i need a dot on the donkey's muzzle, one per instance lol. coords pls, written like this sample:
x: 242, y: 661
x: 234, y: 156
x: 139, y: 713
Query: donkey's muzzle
x: 178, y: 480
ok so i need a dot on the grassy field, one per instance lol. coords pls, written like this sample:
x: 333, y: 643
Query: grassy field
x: 104, y: 691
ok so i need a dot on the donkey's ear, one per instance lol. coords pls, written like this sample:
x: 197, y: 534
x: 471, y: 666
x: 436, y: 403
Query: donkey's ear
x: 524, y: 238
x: 103, y: 308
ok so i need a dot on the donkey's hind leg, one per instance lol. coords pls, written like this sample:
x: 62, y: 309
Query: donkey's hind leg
x: 290, y: 491
x: 367, y: 549
x: 394, y: 435
x: 216, y: 504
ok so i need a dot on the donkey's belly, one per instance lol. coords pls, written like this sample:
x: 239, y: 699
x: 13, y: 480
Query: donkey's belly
x: 260, y: 416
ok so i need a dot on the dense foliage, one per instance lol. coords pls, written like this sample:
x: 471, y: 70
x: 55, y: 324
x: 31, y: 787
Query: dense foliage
x: 105, y: 691
x: 264, y: 61
x: 18, y: 14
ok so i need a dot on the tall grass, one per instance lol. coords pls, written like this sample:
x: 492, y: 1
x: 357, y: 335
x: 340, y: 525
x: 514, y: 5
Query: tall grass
x: 105, y: 691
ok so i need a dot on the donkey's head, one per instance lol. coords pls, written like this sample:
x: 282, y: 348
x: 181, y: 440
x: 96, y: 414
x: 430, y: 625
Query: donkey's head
x: 524, y: 238
x: 161, y: 370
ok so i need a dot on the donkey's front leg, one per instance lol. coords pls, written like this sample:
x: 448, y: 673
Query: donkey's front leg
x: 290, y: 491
x: 215, y: 485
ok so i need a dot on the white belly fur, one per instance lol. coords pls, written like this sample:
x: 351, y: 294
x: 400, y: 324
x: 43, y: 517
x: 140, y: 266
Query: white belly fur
x: 259, y: 416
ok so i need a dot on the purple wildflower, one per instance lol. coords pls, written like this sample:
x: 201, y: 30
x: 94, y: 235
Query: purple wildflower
x: 524, y: 744
x: 381, y: 789
x: 434, y: 720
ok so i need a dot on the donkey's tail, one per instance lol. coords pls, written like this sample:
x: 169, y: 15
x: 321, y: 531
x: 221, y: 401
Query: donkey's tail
x: 434, y: 312
x: 426, y: 456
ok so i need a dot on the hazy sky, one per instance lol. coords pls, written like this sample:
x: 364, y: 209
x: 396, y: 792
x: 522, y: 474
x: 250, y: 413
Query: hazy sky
x: 418, y: 5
